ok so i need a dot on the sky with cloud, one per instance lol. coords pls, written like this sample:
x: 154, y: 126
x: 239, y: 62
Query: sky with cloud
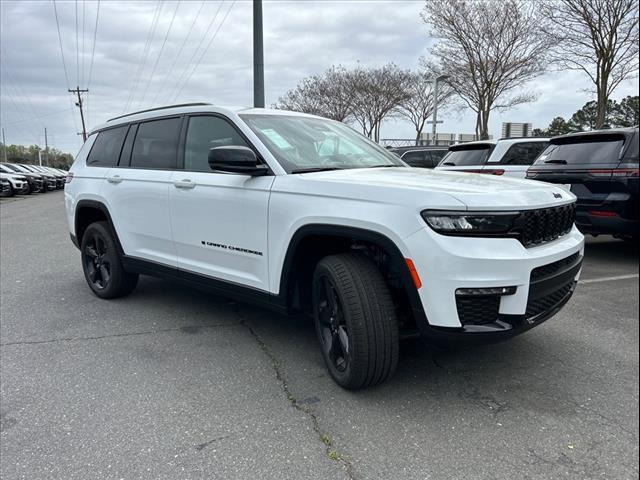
x: 202, y: 51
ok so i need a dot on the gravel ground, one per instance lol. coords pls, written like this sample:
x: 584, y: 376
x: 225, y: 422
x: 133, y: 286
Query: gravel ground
x: 173, y: 383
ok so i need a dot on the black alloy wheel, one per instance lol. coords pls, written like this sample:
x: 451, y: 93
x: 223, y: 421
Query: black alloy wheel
x: 102, y: 265
x: 97, y: 261
x: 334, y: 335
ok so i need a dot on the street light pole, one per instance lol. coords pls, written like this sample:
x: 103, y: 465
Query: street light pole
x: 258, y: 56
x: 435, y: 107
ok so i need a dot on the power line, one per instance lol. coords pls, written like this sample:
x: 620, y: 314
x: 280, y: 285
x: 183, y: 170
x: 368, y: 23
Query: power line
x: 205, y: 50
x: 77, y: 48
x: 30, y: 119
x: 155, y: 66
x: 83, y: 51
x: 145, y: 53
x: 193, y: 56
x: 175, y: 59
x: 93, y: 51
x: 64, y: 65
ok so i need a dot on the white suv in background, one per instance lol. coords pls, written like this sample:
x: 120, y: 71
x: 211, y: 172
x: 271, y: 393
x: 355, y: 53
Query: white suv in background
x: 300, y: 213
x: 510, y: 157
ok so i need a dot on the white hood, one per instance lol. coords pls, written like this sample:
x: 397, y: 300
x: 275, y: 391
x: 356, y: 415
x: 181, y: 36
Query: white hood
x: 422, y: 186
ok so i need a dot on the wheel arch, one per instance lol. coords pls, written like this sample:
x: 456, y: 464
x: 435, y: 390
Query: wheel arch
x: 314, y: 241
x: 87, y: 212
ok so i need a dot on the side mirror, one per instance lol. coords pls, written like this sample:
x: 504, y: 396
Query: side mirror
x: 236, y: 159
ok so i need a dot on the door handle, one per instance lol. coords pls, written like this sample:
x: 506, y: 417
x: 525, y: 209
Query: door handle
x: 114, y: 179
x: 186, y: 183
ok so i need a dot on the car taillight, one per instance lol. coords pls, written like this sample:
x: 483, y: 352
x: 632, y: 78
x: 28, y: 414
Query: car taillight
x: 602, y: 213
x: 617, y: 172
x: 69, y: 177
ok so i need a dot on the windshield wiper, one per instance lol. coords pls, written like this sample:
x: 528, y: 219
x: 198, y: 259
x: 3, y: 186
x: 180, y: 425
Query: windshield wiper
x: 559, y: 162
x: 449, y: 164
x: 315, y: 169
x: 386, y: 165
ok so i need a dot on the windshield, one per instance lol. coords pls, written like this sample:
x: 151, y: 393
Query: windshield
x: 302, y: 143
x: 13, y: 167
x: 467, y: 156
x: 582, y: 153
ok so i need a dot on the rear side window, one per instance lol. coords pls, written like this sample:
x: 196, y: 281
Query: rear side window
x: 203, y: 134
x: 631, y: 154
x: 523, y: 153
x: 156, y: 144
x: 415, y: 159
x: 106, y: 149
x: 592, y: 152
x: 436, y: 156
x: 467, y: 156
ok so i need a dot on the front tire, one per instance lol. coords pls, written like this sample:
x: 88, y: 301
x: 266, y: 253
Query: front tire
x: 355, y: 321
x: 102, y: 264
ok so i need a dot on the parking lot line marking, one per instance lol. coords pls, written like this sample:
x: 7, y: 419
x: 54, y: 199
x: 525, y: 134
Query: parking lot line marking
x: 609, y: 279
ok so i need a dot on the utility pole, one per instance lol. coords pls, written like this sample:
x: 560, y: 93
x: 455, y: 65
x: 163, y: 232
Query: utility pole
x: 79, y: 105
x: 4, y: 146
x: 46, y: 145
x: 258, y: 56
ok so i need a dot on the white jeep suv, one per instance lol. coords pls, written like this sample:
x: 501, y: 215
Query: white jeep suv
x: 300, y: 213
x: 510, y: 157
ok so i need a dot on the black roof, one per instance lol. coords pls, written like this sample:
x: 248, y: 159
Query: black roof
x: 587, y: 136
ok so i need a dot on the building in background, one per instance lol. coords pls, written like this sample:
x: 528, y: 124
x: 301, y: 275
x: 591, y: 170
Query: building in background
x: 510, y: 129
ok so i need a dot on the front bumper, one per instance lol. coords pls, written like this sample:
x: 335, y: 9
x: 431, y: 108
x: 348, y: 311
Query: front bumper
x: 446, y: 264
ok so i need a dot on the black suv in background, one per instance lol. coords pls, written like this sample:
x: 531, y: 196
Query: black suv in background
x: 601, y: 169
x: 422, y: 157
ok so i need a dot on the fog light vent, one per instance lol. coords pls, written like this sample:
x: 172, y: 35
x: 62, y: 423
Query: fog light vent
x: 486, y: 291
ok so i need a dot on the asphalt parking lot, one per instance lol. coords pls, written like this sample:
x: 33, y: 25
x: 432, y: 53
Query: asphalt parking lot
x: 171, y: 383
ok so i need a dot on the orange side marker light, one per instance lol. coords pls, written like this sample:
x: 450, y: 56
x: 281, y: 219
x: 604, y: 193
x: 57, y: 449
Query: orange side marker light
x: 414, y: 273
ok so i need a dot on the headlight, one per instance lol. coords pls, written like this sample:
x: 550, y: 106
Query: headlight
x: 470, y: 223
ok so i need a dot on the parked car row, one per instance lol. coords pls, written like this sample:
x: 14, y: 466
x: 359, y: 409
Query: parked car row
x: 21, y: 179
x: 599, y: 167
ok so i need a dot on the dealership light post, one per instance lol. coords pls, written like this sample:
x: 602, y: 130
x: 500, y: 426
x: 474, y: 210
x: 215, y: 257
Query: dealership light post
x: 435, y: 107
x: 258, y: 56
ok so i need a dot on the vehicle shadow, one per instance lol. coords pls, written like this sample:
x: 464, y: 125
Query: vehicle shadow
x: 487, y: 377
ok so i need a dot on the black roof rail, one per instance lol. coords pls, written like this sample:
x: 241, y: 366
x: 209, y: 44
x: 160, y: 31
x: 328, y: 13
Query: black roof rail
x: 197, y: 104
x: 521, y: 138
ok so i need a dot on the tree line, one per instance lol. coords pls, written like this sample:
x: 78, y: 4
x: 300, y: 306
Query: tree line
x: 488, y: 53
x: 625, y: 113
x: 29, y: 155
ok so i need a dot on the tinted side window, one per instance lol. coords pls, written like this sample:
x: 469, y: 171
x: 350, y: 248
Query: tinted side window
x: 632, y: 153
x: 205, y: 133
x: 156, y: 144
x: 523, y: 153
x: 436, y: 156
x: 415, y: 159
x: 106, y: 149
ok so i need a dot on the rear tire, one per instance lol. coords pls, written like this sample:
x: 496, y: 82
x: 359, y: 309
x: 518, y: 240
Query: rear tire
x: 102, y: 264
x: 355, y: 321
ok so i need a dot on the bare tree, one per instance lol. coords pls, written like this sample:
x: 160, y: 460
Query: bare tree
x: 326, y: 95
x: 417, y: 107
x: 597, y: 37
x: 362, y: 95
x: 489, y: 50
x: 376, y: 93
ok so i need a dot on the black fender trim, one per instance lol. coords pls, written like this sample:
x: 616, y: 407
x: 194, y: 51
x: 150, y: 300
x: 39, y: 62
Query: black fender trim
x: 352, y: 233
x: 94, y: 204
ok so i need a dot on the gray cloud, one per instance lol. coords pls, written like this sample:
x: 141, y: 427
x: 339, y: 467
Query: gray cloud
x: 301, y: 38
